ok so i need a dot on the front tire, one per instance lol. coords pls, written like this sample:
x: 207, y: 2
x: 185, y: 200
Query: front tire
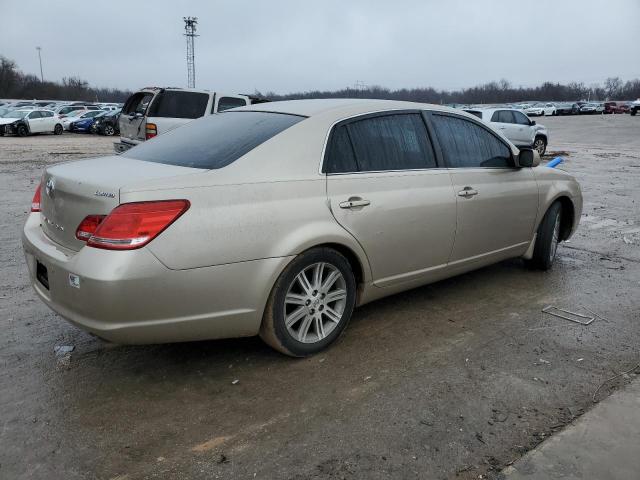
x: 548, y: 238
x: 108, y: 130
x: 22, y: 131
x: 57, y: 130
x: 310, y: 304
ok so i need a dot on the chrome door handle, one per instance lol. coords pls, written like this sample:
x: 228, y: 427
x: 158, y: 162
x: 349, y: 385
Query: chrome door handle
x: 354, y: 202
x: 467, y: 192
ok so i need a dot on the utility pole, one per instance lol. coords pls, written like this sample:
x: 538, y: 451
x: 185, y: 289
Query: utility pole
x: 190, y: 32
x: 40, y: 58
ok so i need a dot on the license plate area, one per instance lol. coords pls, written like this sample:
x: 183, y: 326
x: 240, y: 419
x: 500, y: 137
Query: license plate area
x: 42, y: 275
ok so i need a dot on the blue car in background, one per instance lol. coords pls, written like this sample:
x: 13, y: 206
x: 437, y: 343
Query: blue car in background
x: 85, y: 124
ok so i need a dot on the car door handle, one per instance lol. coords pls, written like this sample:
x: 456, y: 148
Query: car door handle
x: 354, y: 202
x: 467, y: 192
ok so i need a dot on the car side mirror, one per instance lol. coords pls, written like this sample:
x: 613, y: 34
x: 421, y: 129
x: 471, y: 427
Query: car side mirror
x: 528, y: 158
x: 533, y: 122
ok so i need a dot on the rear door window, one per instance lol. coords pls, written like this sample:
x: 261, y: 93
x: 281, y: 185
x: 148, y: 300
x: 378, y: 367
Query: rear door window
x: 176, y: 104
x: 214, y: 141
x: 225, y: 103
x: 391, y: 142
x: 465, y: 144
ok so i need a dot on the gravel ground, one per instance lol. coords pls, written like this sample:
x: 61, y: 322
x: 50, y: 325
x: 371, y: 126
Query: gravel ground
x: 453, y: 380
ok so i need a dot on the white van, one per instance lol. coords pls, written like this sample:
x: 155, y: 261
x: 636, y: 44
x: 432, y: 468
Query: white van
x: 153, y: 111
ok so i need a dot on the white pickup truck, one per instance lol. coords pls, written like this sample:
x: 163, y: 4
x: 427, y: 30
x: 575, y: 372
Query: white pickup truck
x: 152, y: 111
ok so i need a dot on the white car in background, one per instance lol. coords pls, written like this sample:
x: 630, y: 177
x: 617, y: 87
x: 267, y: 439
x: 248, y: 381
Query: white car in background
x: 66, y: 121
x: 516, y: 126
x: 541, y: 109
x: 26, y: 122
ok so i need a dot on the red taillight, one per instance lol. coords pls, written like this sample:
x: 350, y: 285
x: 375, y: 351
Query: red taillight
x: 88, y: 227
x: 133, y: 225
x: 150, y: 130
x: 35, y: 203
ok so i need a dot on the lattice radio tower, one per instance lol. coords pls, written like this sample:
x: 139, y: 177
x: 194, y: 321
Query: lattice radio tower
x: 190, y: 32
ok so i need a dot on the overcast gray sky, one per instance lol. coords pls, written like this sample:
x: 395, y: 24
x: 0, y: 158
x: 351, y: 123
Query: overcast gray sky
x: 293, y: 45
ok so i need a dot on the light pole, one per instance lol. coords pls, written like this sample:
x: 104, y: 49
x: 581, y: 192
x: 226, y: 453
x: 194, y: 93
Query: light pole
x: 190, y: 32
x: 40, y: 58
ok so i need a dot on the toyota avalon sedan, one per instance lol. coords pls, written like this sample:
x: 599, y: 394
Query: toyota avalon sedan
x: 279, y: 219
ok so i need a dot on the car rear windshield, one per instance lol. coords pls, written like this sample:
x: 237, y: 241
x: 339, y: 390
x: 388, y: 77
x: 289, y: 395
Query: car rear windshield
x: 214, y: 141
x: 171, y: 104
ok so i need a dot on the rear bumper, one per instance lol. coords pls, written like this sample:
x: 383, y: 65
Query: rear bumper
x: 123, y: 145
x: 131, y: 297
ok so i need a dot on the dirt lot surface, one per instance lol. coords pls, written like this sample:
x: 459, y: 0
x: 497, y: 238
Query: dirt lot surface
x: 453, y: 380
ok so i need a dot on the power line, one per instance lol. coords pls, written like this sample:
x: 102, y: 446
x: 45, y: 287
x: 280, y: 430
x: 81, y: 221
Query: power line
x: 190, y: 24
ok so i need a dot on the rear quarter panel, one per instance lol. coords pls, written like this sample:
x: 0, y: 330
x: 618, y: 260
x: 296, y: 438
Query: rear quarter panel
x: 270, y: 203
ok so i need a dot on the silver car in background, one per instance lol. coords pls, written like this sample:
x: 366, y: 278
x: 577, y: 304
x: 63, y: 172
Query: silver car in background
x: 278, y: 219
x: 516, y: 126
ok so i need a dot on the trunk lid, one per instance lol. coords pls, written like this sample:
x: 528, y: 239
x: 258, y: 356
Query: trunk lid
x: 71, y: 191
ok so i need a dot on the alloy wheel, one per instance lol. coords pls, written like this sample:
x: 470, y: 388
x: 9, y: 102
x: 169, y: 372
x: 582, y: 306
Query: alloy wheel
x: 315, y: 302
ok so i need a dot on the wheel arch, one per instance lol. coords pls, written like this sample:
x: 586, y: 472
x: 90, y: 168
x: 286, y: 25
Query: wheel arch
x: 567, y: 216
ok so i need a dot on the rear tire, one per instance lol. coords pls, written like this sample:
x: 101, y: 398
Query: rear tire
x: 310, y: 304
x: 548, y: 238
x: 540, y: 144
x: 57, y: 130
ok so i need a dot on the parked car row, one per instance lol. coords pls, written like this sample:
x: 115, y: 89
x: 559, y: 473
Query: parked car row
x: 566, y: 108
x: 24, y: 118
x: 71, y: 116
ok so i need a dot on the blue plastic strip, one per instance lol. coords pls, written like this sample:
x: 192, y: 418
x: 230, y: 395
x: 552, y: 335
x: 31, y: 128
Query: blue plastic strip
x: 555, y: 162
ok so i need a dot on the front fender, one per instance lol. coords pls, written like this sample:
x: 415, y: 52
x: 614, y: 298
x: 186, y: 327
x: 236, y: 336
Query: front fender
x: 558, y: 185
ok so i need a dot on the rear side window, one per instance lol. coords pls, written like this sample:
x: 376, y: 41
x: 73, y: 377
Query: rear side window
x: 340, y: 156
x: 214, y: 141
x: 172, y: 104
x: 467, y: 145
x: 391, y: 142
x: 225, y: 103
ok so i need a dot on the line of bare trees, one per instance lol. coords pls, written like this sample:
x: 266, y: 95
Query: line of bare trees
x: 493, y: 92
x: 16, y: 84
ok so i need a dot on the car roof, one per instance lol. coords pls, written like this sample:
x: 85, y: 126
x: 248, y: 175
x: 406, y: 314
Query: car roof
x: 339, y: 107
